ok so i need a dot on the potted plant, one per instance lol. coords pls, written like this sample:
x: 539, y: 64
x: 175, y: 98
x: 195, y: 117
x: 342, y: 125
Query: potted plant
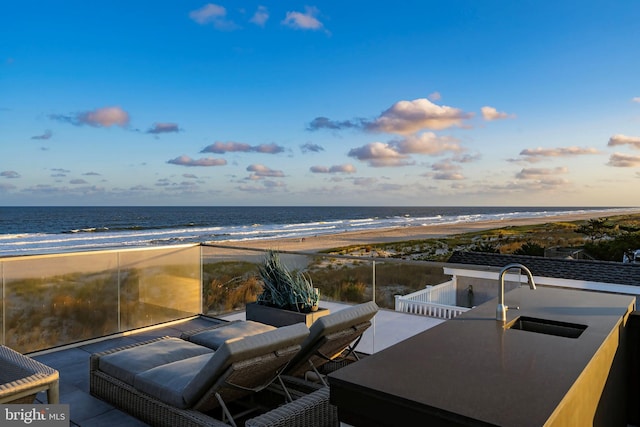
x: 286, y: 297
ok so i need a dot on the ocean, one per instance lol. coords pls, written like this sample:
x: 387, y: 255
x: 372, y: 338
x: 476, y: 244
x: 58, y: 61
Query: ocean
x: 38, y: 230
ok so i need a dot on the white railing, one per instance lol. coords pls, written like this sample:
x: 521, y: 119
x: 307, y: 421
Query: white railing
x: 444, y: 293
x: 433, y: 301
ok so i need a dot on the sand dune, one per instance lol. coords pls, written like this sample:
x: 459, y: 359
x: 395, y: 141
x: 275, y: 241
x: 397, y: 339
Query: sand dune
x: 328, y: 241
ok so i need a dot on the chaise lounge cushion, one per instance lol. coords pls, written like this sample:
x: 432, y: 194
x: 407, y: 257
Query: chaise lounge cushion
x: 167, y: 382
x: 242, y: 349
x: 128, y: 363
x: 349, y: 323
x: 215, y: 337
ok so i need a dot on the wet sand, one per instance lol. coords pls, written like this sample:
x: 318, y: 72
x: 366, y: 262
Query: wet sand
x: 329, y: 241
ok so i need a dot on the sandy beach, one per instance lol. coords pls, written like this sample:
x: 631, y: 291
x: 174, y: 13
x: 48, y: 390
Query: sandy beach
x: 329, y: 241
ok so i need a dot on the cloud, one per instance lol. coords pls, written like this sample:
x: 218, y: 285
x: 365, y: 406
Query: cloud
x: 272, y: 148
x: 78, y: 181
x: 346, y: 168
x: 490, y: 113
x: 303, y: 21
x: 260, y: 17
x: 406, y: 117
x: 46, y: 135
x: 533, y: 155
x: 309, y: 147
x: 10, y: 174
x: 426, y: 143
x: 101, y: 117
x: 435, y: 96
x: 326, y: 123
x: 540, y: 173
x: 446, y: 170
x: 261, y: 171
x: 616, y: 140
x: 164, y: 128
x: 213, y: 14
x: 620, y: 160
x: 219, y: 147
x: 189, y: 176
x: 91, y: 174
x: 378, y: 154
x: 188, y: 161
x: 636, y: 99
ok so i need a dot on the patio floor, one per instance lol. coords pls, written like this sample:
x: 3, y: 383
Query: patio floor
x: 389, y: 328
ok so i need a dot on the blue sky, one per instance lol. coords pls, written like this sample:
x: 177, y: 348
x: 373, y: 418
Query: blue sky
x: 330, y: 103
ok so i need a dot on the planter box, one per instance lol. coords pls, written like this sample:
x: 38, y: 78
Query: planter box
x: 278, y: 317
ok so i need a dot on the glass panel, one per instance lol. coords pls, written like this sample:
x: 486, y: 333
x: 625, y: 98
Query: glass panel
x: 229, y: 279
x: 56, y: 300
x: 159, y: 285
x: 402, y: 278
x: 342, y: 279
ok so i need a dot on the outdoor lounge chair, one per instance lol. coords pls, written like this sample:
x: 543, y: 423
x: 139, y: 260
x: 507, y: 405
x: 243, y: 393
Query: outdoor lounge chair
x: 331, y: 338
x: 173, y: 382
x: 21, y: 378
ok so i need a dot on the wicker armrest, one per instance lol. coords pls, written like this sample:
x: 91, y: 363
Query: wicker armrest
x: 22, y: 377
x: 311, y: 410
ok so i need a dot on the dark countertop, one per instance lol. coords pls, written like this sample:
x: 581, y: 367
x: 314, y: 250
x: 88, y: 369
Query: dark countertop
x: 470, y: 369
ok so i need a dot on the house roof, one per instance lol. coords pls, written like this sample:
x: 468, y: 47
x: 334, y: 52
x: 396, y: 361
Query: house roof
x: 586, y: 270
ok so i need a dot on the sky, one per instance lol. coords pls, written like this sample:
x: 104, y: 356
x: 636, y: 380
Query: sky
x: 421, y: 103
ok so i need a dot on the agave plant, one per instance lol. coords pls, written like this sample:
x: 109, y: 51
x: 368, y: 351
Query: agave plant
x: 284, y: 289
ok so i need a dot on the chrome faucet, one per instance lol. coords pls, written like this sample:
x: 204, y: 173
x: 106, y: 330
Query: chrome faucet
x: 501, y: 311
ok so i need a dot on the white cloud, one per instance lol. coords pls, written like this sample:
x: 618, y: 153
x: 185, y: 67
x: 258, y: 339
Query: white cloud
x: 188, y: 161
x: 616, y: 140
x: 407, y: 117
x: 213, y: 14
x: 378, y: 154
x: 533, y: 155
x: 101, y: 117
x: 435, y: 96
x: 621, y: 160
x: 427, y: 143
x: 303, y: 21
x: 540, y: 173
x: 490, y: 113
x: 260, y: 17
x: 636, y: 99
x: 262, y: 171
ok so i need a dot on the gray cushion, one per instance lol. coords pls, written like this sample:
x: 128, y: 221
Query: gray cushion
x: 214, y: 338
x: 234, y: 350
x: 167, y: 382
x: 126, y: 364
x: 340, y: 320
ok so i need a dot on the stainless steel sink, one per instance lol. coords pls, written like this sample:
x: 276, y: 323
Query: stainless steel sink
x: 548, y: 327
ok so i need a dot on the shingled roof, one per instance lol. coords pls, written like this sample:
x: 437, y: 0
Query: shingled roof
x: 587, y: 270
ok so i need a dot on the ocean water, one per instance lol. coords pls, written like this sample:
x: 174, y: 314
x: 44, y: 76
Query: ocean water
x: 37, y: 230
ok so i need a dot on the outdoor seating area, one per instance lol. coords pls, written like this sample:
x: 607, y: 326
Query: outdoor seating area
x: 218, y: 375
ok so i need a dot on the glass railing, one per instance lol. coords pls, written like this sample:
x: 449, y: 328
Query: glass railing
x: 230, y: 277
x: 54, y: 300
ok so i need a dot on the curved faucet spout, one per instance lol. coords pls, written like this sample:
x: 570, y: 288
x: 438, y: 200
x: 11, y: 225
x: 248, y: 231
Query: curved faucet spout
x: 501, y: 310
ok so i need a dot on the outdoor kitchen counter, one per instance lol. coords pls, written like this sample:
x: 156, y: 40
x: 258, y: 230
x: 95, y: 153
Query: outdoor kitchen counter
x: 472, y: 371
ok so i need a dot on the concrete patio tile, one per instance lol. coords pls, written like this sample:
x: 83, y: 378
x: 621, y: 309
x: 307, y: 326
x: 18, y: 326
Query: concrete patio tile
x: 114, y: 418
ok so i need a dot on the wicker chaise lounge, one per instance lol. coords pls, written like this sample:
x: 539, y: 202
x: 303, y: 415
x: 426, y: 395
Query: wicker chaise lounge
x: 21, y: 378
x: 172, y: 382
x: 332, y: 338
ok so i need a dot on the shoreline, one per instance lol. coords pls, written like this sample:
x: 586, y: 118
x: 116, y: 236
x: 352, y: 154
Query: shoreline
x: 399, y: 234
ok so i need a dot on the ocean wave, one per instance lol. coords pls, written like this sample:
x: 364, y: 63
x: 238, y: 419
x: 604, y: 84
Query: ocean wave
x: 88, y: 238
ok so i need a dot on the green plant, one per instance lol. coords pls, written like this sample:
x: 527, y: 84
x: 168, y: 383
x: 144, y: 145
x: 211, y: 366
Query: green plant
x: 284, y: 289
